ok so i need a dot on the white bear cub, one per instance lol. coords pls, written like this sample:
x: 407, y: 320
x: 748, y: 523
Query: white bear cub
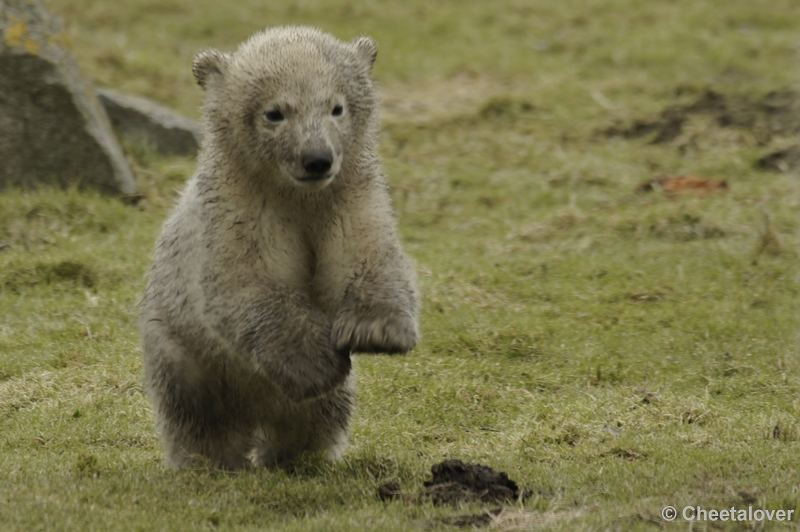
x: 281, y: 257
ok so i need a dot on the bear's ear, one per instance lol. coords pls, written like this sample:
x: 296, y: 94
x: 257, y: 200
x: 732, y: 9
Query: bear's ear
x: 366, y: 50
x: 208, y: 66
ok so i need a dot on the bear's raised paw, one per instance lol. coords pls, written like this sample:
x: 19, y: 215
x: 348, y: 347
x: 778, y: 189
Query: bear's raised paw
x: 392, y: 334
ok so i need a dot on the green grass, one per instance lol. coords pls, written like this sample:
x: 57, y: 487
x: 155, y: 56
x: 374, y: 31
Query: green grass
x: 613, y: 351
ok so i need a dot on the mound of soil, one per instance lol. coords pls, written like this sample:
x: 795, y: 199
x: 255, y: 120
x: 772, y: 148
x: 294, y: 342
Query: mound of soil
x: 455, y: 482
x: 777, y: 113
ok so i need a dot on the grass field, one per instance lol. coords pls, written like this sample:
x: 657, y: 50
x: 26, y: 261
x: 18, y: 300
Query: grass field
x: 614, y: 351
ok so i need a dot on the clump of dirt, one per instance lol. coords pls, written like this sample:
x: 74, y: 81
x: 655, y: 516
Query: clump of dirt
x: 682, y: 185
x: 777, y: 113
x: 455, y: 482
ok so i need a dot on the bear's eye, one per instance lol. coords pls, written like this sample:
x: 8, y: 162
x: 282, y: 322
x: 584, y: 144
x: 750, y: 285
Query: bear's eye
x: 338, y: 110
x: 274, y: 116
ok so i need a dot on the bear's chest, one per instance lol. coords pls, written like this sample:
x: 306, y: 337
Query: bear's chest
x: 285, y: 252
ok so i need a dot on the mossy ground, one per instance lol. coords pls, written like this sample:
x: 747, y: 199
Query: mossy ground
x: 613, y: 351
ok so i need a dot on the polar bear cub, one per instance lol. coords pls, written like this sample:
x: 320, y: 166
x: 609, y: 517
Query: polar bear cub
x: 280, y: 259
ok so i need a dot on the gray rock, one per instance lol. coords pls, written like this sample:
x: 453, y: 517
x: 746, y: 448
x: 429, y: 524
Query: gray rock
x: 53, y: 129
x: 144, y: 121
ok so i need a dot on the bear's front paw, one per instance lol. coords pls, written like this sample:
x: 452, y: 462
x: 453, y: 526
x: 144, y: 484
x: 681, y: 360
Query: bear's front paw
x: 371, y: 333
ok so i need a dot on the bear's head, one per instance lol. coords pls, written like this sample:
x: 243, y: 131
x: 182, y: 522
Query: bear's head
x: 292, y: 106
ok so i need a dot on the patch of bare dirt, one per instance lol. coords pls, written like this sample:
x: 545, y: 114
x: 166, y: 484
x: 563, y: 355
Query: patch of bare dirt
x: 777, y: 113
x: 766, y: 118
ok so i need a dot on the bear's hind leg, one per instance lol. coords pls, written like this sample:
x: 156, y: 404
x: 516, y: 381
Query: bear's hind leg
x: 311, y: 426
x: 224, y: 449
x: 198, y: 414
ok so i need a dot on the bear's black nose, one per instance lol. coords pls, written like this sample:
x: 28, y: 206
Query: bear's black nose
x: 317, y: 163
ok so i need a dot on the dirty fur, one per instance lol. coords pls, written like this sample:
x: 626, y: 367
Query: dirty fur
x: 281, y: 257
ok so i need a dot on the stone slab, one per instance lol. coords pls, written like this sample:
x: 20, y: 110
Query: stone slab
x: 53, y: 129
